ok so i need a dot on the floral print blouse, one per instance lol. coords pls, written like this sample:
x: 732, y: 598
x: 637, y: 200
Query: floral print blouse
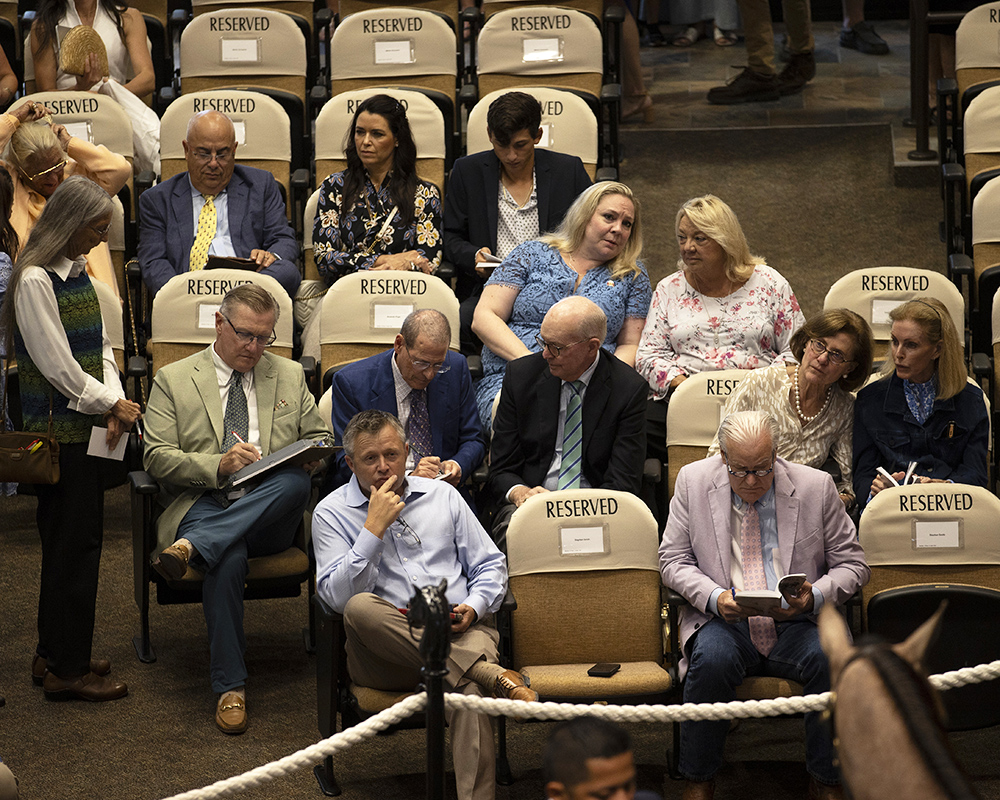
x: 688, y: 332
x: 345, y: 241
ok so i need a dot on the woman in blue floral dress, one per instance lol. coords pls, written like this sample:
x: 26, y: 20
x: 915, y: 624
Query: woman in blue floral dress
x: 377, y: 214
x: 593, y: 253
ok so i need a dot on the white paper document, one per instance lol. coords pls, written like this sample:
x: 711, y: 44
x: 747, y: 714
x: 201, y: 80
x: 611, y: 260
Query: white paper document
x: 576, y: 541
x: 99, y: 444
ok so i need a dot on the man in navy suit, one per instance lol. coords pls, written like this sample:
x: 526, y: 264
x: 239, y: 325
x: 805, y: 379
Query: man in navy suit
x: 419, y: 364
x: 503, y: 197
x: 250, y: 217
x: 532, y: 451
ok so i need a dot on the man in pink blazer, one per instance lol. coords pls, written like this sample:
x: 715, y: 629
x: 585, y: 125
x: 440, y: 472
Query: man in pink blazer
x: 737, y: 521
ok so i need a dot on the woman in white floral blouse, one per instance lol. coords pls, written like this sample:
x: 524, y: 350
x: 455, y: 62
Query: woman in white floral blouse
x: 812, y: 401
x: 723, y: 309
x: 377, y: 214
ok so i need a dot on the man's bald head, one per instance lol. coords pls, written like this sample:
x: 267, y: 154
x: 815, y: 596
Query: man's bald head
x: 210, y: 151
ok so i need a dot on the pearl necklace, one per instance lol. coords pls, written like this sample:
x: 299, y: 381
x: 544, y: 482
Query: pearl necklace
x: 798, y: 402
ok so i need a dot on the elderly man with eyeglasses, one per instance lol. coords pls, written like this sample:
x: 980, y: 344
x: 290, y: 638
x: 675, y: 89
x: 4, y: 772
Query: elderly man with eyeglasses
x: 429, y: 389
x: 741, y: 521
x: 209, y: 415
x: 216, y: 208
x: 569, y: 417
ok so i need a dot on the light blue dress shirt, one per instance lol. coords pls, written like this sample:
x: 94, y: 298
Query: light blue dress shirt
x: 436, y: 536
x: 222, y: 244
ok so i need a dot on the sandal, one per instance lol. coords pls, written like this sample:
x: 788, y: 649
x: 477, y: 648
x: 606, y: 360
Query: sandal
x: 724, y: 38
x: 688, y: 38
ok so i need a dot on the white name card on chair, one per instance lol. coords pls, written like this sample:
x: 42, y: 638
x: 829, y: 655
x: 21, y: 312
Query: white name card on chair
x: 578, y: 541
x: 549, y: 49
x: 881, y: 309
x: 242, y: 51
x: 939, y: 533
x: 240, y: 129
x: 400, y: 52
x: 206, y: 314
x: 81, y: 130
x: 386, y: 315
x: 546, y: 140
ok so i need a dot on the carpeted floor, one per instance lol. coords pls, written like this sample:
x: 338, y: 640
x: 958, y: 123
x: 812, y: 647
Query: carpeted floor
x: 815, y: 202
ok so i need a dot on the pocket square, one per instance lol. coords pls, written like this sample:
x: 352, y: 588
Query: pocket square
x: 281, y: 404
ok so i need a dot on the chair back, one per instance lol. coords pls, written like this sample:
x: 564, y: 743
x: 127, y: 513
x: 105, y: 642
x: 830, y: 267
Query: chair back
x: 986, y: 232
x: 426, y: 123
x: 300, y: 9
x: 262, y: 131
x: 183, y: 318
x: 872, y: 292
x: 568, y: 124
x: 446, y: 8
x: 363, y: 311
x: 977, y: 58
x: 930, y: 533
x: 981, y: 135
x: 593, y: 551
x: 396, y: 46
x: 513, y: 52
x: 592, y: 8
x: 309, y: 271
x: 694, y: 415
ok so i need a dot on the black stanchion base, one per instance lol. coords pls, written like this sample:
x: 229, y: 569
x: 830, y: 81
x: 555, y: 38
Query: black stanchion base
x: 922, y: 155
x: 327, y: 780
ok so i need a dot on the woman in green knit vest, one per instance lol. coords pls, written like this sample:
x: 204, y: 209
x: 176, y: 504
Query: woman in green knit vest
x: 52, y: 322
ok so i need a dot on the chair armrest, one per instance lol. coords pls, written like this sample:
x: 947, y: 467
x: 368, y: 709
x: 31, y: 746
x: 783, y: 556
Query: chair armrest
x: 652, y: 470
x: 308, y: 366
x: 606, y: 174
x: 446, y: 271
x: 137, y: 366
x: 947, y: 87
x: 615, y: 14
x: 959, y: 264
x: 475, y: 366
x: 982, y: 365
x: 143, y: 483
x: 468, y: 95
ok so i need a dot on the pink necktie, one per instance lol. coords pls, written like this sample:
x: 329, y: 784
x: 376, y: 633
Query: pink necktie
x: 762, y: 630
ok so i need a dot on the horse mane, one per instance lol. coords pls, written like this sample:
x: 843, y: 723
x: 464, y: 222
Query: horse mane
x: 919, y: 711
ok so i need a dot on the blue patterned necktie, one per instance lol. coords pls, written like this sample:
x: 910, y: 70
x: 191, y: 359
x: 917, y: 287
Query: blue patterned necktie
x: 419, y: 426
x: 572, y: 444
x: 237, y: 418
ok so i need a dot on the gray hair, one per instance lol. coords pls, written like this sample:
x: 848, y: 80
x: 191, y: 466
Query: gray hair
x: 427, y: 322
x: 77, y: 201
x: 369, y: 423
x: 591, y: 321
x: 746, y: 428
x: 29, y: 139
x: 255, y: 297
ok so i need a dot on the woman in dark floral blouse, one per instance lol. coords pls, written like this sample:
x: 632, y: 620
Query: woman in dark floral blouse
x: 377, y: 214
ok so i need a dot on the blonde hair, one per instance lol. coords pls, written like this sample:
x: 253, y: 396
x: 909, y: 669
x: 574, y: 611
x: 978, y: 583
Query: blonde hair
x: 29, y: 139
x: 935, y: 320
x: 718, y: 222
x: 569, y: 235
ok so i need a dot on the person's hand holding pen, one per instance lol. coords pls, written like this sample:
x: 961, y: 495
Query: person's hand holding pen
x: 238, y: 456
x: 731, y: 611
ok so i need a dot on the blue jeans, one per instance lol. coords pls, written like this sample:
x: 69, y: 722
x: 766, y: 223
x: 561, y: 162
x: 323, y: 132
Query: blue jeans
x: 260, y: 523
x: 721, y: 655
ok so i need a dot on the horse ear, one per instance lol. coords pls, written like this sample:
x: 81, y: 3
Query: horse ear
x: 915, y: 647
x: 835, y: 640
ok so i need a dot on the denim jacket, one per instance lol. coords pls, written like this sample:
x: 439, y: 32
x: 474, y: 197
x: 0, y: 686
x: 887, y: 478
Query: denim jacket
x: 952, y: 444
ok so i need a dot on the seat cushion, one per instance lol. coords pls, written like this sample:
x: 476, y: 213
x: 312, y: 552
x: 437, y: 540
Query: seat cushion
x: 285, y: 564
x: 375, y: 700
x: 572, y: 680
x: 764, y: 688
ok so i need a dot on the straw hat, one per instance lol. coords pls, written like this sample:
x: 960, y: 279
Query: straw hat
x: 77, y: 45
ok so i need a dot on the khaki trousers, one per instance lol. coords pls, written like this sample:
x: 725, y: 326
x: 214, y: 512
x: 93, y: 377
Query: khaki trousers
x: 382, y: 654
x: 760, y: 35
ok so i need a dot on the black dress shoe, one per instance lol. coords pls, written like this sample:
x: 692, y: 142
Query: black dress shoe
x: 747, y: 87
x: 39, y: 666
x: 93, y: 687
x: 800, y: 70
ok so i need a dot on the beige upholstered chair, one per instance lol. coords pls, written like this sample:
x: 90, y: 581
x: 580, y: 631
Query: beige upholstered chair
x: 568, y: 124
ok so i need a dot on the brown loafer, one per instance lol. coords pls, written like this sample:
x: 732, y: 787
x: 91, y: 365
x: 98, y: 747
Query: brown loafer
x: 698, y: 790
x: 173, y: 562
x: 512, y: 685
x: 231, y: 713
x: 93, y: 687
x: 39, y: 666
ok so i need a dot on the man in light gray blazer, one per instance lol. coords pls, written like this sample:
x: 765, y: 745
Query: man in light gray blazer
x: 737, y: 521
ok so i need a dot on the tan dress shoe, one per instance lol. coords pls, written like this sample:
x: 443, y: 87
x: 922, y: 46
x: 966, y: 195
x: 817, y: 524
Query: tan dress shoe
x: 698, y: 790
x: 93, y: 687
x: 231, y: 713
x: 39, y: 666
x: 173, y: 562
x: 512, y: 686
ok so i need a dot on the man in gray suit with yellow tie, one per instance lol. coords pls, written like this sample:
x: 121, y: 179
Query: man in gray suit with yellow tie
x: 210, y: 415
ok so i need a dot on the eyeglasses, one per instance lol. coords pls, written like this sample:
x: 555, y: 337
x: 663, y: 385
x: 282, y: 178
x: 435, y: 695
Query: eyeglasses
x: 554, y: 349
x: 742, y: 473
x: 439, y: 368
x: 249, y: 338
x: 102, y: 232
x: 834, y: 355
x: 206, y: 156
x: 57, y: 168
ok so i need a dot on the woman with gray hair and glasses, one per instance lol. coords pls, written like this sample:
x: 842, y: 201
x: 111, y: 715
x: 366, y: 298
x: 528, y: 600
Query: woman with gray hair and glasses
x: 51, y: 320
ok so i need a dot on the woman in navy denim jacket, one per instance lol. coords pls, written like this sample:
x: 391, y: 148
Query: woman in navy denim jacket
x: 924, y: 410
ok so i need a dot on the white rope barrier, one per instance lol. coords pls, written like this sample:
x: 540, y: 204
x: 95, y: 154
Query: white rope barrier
x: 740, y: 709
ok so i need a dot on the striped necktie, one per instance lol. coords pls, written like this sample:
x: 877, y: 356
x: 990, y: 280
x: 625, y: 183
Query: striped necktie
x: 572, y: 443
x: 762, y: 631
x: 206, y: 232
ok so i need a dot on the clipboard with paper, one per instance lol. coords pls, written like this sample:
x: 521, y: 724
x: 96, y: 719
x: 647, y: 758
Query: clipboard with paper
x: 294, y: 455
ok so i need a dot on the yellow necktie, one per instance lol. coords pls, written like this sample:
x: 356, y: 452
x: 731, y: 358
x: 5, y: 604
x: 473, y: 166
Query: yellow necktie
x: 206, y: 232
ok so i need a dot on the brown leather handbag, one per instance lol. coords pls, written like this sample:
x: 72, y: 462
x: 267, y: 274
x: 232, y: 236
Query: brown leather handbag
x: 27, y: 457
